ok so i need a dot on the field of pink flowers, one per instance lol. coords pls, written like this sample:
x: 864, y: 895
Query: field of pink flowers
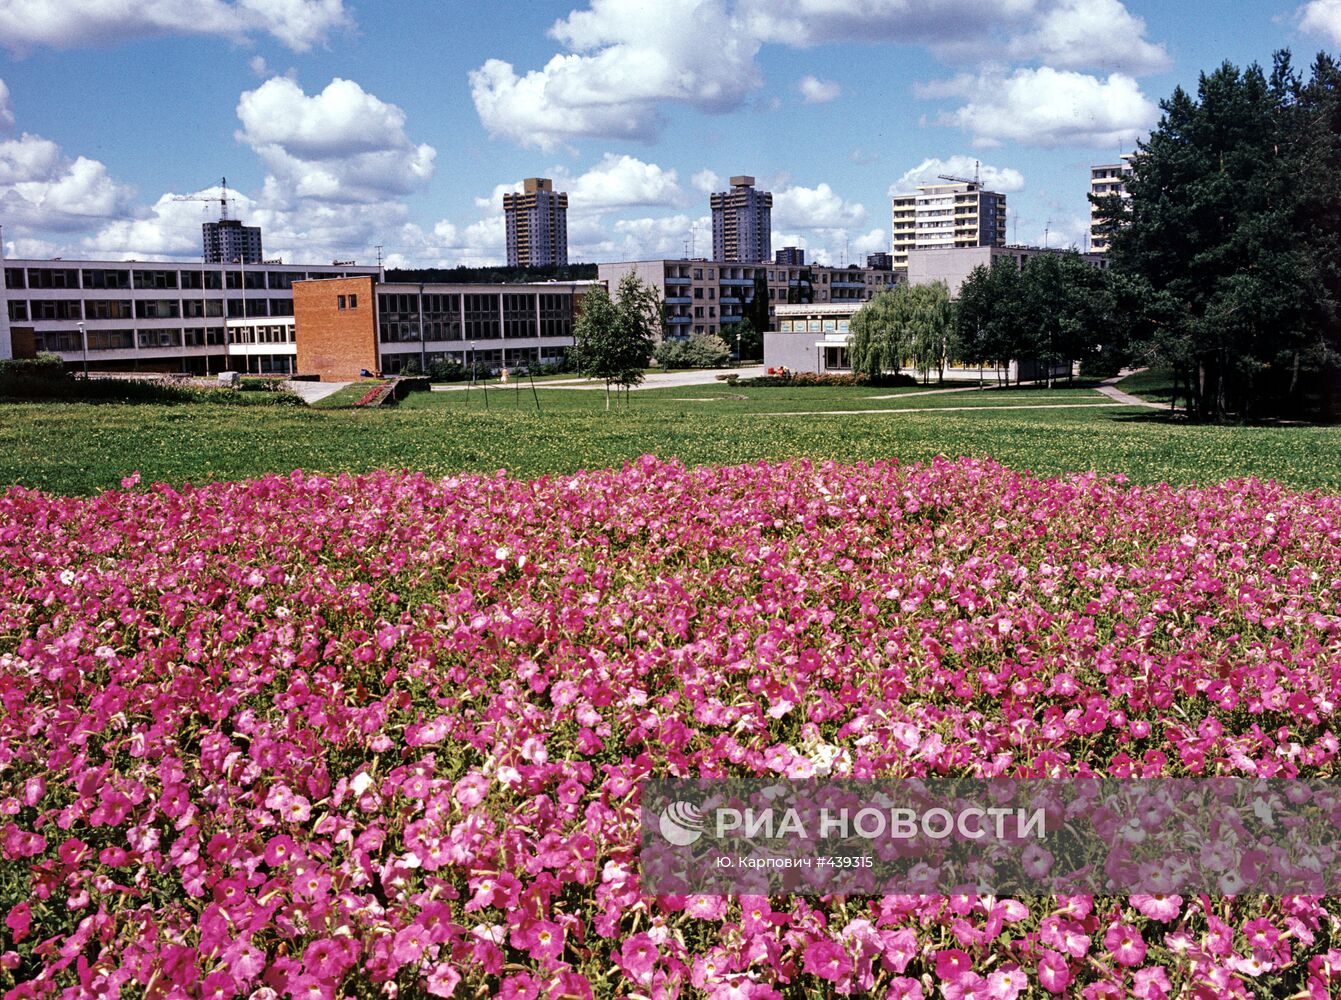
x: 383, y: 735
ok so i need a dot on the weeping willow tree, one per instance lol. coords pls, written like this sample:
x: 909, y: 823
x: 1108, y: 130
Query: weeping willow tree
x: 912, y: 323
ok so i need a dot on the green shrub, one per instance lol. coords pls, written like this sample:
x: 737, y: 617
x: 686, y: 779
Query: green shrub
x: 44, y: 366
x: 446, y: 371
x: 30, y: 388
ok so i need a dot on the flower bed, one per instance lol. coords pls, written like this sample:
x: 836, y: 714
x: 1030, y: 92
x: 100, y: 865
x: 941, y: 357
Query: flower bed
x: 330, y: 736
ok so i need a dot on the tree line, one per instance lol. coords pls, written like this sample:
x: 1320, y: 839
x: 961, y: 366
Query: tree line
x: 1224, y: 263
x: 1228, y: 249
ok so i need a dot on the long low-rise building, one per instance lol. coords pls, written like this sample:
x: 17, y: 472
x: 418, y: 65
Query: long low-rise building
x: 359, y: 324
x: 712, y: 297
x: 158, y: 316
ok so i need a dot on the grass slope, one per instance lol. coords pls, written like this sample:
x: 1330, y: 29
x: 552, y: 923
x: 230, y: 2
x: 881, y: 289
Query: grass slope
x: 77, y: 448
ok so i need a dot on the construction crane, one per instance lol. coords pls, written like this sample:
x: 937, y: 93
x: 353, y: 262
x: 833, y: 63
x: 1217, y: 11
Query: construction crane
x: 975, y: 179
x: 221, y: 198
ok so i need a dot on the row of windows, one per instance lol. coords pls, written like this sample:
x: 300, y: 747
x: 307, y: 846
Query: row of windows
x: 511, y: 357
x: 122, y: 340
x: 127, y: 278
x: 38, y: 310
x: 813, y: 326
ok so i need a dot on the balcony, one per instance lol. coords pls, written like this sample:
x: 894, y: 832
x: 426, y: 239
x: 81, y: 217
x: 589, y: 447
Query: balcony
x: 847, y: 284
x: 729, y: 300
x: 736, y: 281
x: 677, y: 300
x: 678, y: 281
x: 680, y: 319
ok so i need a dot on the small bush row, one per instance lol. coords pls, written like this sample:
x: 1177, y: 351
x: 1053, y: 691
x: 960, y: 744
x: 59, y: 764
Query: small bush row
x: 828, y: 379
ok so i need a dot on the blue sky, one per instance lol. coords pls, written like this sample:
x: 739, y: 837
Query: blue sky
x: 344, y: 124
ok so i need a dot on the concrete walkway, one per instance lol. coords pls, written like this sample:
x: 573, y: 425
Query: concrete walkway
x: 942, y: 409
x: 1109, y: 388
x: 310, y: 392
x: 655, y: 380
x: 936, y: 392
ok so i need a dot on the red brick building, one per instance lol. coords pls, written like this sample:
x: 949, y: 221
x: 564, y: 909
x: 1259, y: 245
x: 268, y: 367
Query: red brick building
x: 348, y: 325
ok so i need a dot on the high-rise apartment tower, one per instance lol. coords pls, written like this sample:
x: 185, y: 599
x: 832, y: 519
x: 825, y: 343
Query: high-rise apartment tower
x: 1106, y: 179
x: 742, y: 222
x: 537, y: 224
x: 228, y: 241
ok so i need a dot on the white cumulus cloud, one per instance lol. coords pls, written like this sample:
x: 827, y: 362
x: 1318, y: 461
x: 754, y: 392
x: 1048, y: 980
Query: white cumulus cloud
x: 817, y: 91
x: 624, y: 58
x: 341, y: 145
x: 1082, y: 34
x: 64, y: 24
x: 1047, y: 107
x: 1322, y: 17
x: 43, y: 189
x: 1099, y: 34
x: 706, y: 181
x: 819, y: 207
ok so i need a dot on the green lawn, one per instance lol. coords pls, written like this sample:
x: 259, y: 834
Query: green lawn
x: 1154, y: 384
x: 80, y: 448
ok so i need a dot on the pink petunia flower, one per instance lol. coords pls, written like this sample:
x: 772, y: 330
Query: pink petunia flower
x: 1125, y: 944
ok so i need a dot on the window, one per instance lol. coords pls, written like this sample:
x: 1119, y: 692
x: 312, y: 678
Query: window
x: 160, y: 338
x: 53, y: 277
x: 519, y: 315
x: 155, y: 279
x: 197, y: 307
x: 698, y: 273
x: 712, y: 293
x: 556, y: 315
x: 698, y: 293
x: 482, y: 322
x: 353, y: 302
x: 58, y: 340
x: 48, y: 309
x: 106, y: 279
x: 202, y: 279
x: 14, y: 278
x: 107, y: 309
x: 18, y: 309
x: 111, y: 340
x: 158, y: 309
x: 340, y: 301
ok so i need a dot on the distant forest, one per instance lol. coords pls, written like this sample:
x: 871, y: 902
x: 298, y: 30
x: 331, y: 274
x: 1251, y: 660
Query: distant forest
x: 493, y: 275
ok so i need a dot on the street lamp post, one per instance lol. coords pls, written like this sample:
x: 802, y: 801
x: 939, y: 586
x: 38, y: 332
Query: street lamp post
x: 83, y: 339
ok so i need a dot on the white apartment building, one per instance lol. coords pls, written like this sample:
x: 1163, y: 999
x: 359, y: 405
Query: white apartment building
x: 946, y: 214
x: 157, y: 316
x: 1106, y: 179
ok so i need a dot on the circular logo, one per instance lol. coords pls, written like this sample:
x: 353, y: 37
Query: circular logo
x: 681, y: 823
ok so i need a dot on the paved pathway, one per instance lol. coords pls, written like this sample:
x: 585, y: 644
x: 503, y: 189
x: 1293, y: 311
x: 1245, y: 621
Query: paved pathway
x: 943, y: 409
x: 310, y: 392
x: 656, y: 380
x: 1109, y: 388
